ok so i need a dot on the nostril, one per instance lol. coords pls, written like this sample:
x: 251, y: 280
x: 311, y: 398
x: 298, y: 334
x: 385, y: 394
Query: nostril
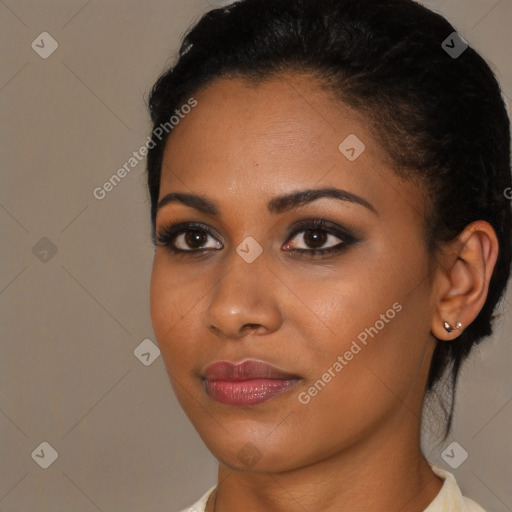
x: 251, y: 325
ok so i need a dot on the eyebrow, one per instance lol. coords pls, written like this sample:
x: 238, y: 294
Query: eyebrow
x: 277, y: 205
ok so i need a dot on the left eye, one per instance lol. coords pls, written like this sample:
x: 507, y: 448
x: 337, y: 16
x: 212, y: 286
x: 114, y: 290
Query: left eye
x: 314, y: 238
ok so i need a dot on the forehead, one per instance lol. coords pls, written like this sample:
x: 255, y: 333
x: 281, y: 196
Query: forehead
x: 281, y: 119
x: 244, y: 141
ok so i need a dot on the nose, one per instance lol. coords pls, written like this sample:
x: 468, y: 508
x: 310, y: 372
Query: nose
x: 244, y: 301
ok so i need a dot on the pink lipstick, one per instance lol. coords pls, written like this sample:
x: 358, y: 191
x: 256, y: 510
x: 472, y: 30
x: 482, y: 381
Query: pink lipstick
x: 248, y: 383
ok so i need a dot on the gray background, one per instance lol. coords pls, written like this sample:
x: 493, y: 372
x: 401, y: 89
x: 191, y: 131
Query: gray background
x: 70, y: 322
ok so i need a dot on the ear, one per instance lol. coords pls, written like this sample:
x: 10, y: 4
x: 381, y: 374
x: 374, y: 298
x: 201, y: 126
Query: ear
x: 463, y: 274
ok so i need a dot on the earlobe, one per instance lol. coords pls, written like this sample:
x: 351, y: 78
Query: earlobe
x: 464, y: 278
x: 447, y: 332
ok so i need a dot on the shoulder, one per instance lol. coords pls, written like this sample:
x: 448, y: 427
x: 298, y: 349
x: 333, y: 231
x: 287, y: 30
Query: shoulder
x: 450, y: 498
x: 200, y: 504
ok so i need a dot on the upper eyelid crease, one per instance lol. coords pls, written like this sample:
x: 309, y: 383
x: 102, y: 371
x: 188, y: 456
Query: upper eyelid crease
x: 277, y: 205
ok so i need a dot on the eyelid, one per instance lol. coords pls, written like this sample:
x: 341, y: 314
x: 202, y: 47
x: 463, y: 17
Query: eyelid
x: 321, y: 224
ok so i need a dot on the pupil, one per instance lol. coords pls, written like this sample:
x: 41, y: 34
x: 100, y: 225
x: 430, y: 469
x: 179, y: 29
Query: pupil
x: 195, y: 237
x: 315, y: 239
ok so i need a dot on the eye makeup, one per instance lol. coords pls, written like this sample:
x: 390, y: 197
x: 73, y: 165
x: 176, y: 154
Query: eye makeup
x: 196, y: 233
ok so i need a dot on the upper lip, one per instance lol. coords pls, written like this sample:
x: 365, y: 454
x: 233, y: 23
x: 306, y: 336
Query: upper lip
x: 246, y: 370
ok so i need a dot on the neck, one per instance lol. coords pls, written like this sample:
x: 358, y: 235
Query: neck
x: 381, y: 474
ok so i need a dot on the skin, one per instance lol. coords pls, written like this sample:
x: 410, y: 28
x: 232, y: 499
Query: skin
x: 355, y: 445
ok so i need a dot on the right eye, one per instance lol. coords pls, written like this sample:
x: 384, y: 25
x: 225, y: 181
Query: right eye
x: 187, y: 237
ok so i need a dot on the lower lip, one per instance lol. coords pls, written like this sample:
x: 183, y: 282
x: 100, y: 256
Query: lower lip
x: 247, y: 392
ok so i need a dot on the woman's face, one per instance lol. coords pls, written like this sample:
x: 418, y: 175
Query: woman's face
x: 348, y: 331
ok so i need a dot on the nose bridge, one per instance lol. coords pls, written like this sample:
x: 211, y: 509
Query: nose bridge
x: 243, y: 296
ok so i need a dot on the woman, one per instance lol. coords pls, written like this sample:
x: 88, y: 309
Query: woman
x: 332, y: 237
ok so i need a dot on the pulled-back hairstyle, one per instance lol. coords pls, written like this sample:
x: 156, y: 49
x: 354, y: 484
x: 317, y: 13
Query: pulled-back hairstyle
x: 441, y: 120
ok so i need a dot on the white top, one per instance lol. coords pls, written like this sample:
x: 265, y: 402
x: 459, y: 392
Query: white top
x: 449, y: 498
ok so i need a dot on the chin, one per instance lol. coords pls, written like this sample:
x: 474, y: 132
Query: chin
x: 253, y: 451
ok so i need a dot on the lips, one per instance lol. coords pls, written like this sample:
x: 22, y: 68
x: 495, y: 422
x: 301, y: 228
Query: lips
x: 248, y: 383
x: 247, y: 370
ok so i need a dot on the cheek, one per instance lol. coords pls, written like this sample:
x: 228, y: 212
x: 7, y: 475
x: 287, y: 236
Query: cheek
x: 161, y: 300
x: 171, y: 301
x: 176, y: 308
x: 334, y: 308
x: 374, y: 319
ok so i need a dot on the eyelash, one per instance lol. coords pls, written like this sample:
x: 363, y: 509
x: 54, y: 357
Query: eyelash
x: 172, y: 229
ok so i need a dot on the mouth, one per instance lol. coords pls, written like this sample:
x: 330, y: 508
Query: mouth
x: 248, y: 383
